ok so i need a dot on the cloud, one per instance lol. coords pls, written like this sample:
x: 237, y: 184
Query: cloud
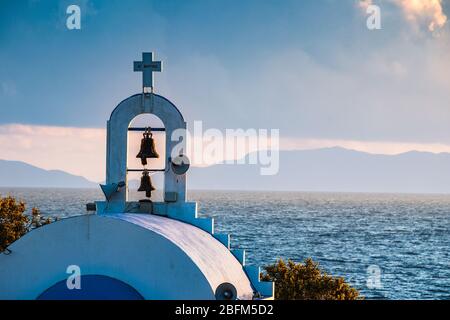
x: 419, y: 13
x: 428, y: 12
x: 364, y: 4
x: 81, y: 151
x: 374, y: 147
x: 397, y: 91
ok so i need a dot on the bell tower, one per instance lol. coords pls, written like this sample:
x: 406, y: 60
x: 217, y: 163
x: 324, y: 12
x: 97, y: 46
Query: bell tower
x: 166, y: 238
x: 176, y: 163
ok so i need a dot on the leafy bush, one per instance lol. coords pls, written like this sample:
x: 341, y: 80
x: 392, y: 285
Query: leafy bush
x: 305, y: 281
x: 14, y: 223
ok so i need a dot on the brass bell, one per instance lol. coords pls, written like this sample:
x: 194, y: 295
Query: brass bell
x: 146, y: 184
x: 148, y: 149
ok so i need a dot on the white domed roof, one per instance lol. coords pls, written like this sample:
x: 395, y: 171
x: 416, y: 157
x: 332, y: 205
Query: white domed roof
x: 160, y: 258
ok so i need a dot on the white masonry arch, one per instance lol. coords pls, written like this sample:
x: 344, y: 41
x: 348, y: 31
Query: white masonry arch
x: 117, y: 142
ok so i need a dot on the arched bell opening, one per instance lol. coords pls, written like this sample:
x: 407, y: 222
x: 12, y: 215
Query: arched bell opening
x: 117, y: 166
x: 146, y: 137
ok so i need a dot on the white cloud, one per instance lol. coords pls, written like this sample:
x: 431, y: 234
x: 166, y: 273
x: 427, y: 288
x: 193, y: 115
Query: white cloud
x: 420, y: 13
x: 81, y: 151
x: 374, y: 147
x: 364, y: 4
x: 428, y: 12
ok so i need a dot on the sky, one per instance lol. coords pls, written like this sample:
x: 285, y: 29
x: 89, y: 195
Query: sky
x: 310, y: 68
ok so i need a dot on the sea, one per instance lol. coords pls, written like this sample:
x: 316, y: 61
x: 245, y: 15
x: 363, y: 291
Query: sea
x: 388, y: 246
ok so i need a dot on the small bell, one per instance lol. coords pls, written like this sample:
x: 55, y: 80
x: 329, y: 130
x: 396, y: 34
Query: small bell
x: 146, y: 184
x: 148, y: 149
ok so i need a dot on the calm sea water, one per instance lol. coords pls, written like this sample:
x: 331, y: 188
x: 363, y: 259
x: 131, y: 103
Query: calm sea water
x: 406, y: 236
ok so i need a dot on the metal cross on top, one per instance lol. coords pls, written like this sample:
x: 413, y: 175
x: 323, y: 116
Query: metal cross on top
x: 147, y: 66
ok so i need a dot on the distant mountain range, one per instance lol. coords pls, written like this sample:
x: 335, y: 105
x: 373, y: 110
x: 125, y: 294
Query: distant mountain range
x: 335, y: 170
x: 20, y: 174
x: 331, y: 169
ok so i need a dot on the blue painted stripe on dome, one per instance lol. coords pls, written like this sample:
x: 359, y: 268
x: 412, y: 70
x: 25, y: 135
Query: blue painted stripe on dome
x: 92, y: 287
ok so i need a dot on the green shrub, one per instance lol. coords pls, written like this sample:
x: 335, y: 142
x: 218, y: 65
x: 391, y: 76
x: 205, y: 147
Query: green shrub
x: 305, y: 281
x: 14, y: 223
